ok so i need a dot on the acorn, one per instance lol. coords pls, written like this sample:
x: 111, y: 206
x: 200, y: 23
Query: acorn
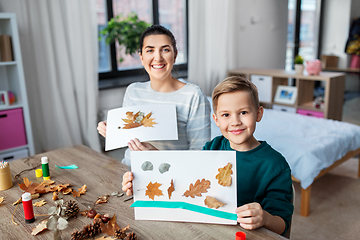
x: 91, y: 213
x: 105, y: 218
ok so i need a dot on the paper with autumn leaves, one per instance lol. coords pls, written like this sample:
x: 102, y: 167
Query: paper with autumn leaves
x: 186, y: 168
x: 145, y: 122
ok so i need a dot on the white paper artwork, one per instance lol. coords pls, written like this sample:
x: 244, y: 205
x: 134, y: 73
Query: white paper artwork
x: 122, y: 127
x: 184, y: 168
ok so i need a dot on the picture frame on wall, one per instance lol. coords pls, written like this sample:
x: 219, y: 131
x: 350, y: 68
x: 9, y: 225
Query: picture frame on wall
x: 285, y: 94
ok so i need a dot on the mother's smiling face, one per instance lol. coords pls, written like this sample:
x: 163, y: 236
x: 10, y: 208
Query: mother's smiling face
x: 158, y: 56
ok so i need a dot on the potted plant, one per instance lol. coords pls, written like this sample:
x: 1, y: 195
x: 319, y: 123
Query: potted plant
x: 126, y: 31
x: 299, y: 64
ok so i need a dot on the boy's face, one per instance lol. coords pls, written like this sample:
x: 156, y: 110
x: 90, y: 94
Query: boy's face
x: 236, y: 116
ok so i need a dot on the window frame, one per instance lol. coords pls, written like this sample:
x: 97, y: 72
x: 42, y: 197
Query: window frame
x: 122, y: 78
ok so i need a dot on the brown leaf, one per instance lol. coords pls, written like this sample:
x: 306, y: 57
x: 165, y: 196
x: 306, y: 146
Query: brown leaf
x: 212, y: 202
x: 135, y: 116
x: 82, y: 190
x: 131, y: 125
x: 67, y: 191
x: 28, y: 186
x: 153, y: 190
x: 102, y: 199
x: 110, y: 227
x: 127, y: 120
x: 147, y: 116
x: 40, y: 203
x: 76, y: 193
x: 148, y: 122
x: 224, y: 175
x: 129, y: 115
x: 198, y: 188
x: 39, y: 228
x: 171, y: 189
x: 2, y: 199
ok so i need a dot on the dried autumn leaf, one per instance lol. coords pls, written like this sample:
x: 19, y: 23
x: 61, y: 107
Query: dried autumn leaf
x: 82, y: 190
x: 224, y: 175
x: 131, y: 125
x: 67, y: 191
x: 102, y: 199
x: 148, y: 122
x: 198, y: 188
x: 171, y: 189
x: 135, y: 116
x: 129, y: 115
x: 39, y: 228
x: 2, y: 199
x: 148, y: 115
x: 110, y: 227
x: 153, y: 190
x: 76, y: 193
x: 212, y: 202
x: 28, y: 186
x: 127, y: 120
x: 40, y: 203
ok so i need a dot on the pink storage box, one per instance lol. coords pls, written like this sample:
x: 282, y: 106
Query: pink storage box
x: 310, y: 113
x: 12, y: 129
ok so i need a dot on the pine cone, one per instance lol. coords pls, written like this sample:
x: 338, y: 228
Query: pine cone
x: 76, y: 235
x: 72, y: 209
x: 91, y: 230
x: 119, y: 234
x: 131, y: 236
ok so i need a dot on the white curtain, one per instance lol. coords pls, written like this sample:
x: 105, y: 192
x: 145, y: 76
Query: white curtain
x: 212, y: 42
x: 59, y: 48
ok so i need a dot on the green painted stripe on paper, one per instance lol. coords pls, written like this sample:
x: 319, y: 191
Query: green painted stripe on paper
x: 187, y: 206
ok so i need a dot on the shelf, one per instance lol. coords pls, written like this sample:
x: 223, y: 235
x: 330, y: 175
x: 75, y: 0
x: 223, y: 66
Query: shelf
x: 7, y: 63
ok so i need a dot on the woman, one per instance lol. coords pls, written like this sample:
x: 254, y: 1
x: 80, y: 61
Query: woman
x: 158, y: 54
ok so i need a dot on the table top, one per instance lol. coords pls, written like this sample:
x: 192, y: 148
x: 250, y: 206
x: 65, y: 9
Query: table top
x: 102, y: 175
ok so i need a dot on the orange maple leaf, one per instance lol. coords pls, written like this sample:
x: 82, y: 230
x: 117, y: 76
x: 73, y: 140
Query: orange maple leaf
x: 224, y: 175
x: 82, y: 190
x: 29, y: 186
x: 153, y: 190
x: 76, y: 193
x: 148, y: 122
x: 198, y: 188
x: 110, y: 227
x: 171, y: 189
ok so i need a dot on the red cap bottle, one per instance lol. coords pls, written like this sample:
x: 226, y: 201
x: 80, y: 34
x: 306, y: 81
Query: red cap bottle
x: 28, y: 208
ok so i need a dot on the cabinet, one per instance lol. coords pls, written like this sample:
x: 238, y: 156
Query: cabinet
x: 333, y: 82
x: 15, y: 126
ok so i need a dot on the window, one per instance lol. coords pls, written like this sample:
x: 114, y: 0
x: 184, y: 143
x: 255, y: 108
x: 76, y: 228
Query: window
x: 170, y: 14
x: 303, y: 30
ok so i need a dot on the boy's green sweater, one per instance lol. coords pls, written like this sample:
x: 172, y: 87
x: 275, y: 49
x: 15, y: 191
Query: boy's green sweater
x: 263, y: 176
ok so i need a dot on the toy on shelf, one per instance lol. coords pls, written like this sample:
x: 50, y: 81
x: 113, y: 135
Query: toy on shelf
x: 7, y: 98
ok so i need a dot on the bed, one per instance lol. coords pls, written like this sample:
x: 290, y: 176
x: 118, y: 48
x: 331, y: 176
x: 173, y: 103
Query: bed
x: 312, y: 146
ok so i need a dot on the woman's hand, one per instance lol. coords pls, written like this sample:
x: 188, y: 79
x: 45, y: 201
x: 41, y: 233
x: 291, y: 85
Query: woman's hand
x: 102, y: 128
x: 127, y: 183
x: 136, y: 145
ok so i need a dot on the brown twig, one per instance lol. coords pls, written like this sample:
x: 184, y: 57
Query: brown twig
x: 18, y: 175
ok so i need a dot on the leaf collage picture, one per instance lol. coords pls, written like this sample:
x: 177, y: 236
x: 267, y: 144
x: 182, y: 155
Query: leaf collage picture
x: 184, y: 186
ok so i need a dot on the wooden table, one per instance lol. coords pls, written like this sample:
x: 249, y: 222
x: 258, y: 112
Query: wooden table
x: 102, y: 175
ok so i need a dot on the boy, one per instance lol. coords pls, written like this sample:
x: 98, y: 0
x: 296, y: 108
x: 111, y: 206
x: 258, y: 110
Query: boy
x: 264, y: 185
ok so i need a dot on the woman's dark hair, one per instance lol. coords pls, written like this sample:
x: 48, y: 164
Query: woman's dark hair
x: 157, y: 30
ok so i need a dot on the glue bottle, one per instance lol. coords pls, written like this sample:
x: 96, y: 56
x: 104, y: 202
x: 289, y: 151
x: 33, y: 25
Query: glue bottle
x: 45, y: 168
x: 28, y: 207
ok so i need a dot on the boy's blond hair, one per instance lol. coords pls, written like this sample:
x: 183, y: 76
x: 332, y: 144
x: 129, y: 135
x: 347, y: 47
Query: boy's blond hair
x: 234, y: 84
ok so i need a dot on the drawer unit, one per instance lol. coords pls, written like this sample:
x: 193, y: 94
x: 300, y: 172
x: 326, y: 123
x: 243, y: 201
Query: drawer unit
x: 12, y: 129
x: 14, y: 155
x: 310, y: 113
x: 284, y: 108
x: 264, y: 86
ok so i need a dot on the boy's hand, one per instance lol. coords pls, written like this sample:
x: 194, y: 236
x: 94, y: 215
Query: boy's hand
x: 251, y: 216
x: 136, y: 145
x: 127, y: 183
x: 102, y: 128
